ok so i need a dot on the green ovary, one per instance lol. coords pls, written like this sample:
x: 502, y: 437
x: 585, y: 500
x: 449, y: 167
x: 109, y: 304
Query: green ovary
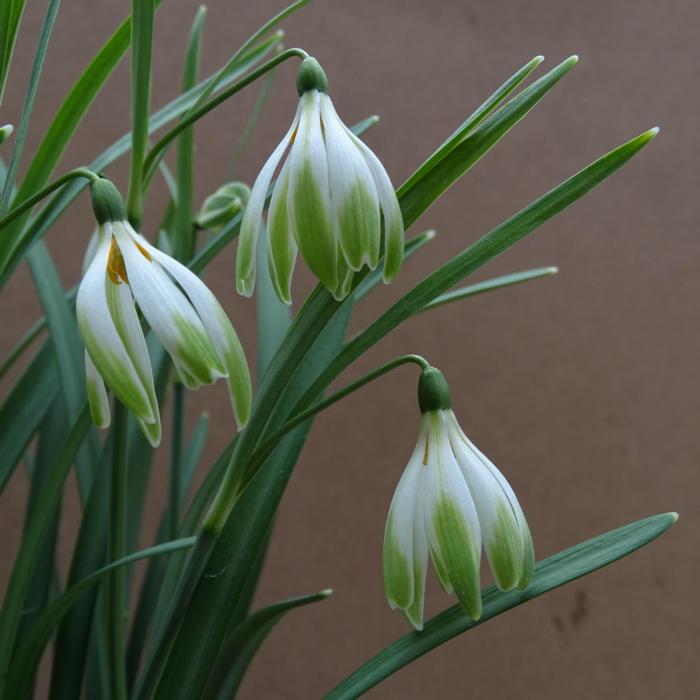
x: 458, y: 555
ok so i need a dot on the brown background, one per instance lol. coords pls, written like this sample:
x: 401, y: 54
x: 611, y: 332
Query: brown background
x: 582, y: 387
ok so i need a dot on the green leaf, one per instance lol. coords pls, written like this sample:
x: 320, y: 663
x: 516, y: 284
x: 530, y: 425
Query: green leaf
x: 472, y: 121
x: 476, y: 255
x: 550, y: 573
x: 30, y: 97
x: 32, y: 646
x: 142, y: 17
x: 35, y: 534
x: 11, y: 251
x: 21, y: 345
x: 274, y: 316
x: 69, y: 357
x: 182, y: 223
x: 10, y: 16
x: 25, y: 407
x: 242, y: 644
x: 452, y: 160
x: 490, y: 285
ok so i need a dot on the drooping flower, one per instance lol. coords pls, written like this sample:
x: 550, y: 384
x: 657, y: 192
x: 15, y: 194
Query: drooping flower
x: 328, y: 201
x: 451, y: 499
x: 127, y: 270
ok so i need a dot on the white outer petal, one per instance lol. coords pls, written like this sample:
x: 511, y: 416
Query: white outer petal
x: 347, y: 167
x: 252, y: 216
x: 162, y: 303
x: 393, y: 219
x: 100, y: 335
x: 217, y: 324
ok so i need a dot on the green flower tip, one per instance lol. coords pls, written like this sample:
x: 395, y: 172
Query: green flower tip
x: 433, y: 391
x: 107, y: 203
x: 311, y: 77
x: 6, y: 132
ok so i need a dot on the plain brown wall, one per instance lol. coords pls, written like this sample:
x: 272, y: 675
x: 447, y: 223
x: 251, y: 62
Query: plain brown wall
x: 583, y: 388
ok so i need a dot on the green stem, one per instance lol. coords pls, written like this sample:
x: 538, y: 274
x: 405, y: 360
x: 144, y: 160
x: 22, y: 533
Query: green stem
x: 176, y: 459
x: 116, y: 584
x: 234, y: 481
x: 150, y: 163
x: 44, y: 192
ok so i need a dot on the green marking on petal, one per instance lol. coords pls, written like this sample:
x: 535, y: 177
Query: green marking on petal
x: 239, y: 381
x: 116, y: 375
x: 196, y: 353
x: 398, y: 582
x: 460, y: 557
x: 281, y: 248
x: 414, y: 613
x: 528, y: 567
x: 313, y: 229
x: 100, y: 416
x: 358, y: 223
x: 504, y: 548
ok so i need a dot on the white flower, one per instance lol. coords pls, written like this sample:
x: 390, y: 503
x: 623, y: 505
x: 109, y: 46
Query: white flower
x: 450, y: 500
x: 326, y: 202
x: 127, y: 270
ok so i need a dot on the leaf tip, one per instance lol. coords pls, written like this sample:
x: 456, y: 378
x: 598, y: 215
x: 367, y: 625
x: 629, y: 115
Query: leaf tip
x: 325, y: 593
x: 552, y: 270
x: 673, y: 517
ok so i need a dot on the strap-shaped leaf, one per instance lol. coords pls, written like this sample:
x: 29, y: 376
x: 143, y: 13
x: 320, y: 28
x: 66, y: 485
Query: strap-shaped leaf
x: 10, y: 16
x: 550, y: 573
x: 24, y: 408
x: 242, y: 644
x: 30, y: 650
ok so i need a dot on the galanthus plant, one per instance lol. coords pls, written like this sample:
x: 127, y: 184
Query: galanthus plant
x: 141, y: 329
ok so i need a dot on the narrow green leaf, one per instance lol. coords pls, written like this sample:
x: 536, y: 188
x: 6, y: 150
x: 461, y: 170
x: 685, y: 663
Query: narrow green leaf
x: 490, y: 285
x: 29, y: 99
x: 142, y: 17
x: 182, y: 222
x: 32, y: 646
x: 443, y: 169
x: 15, y: 242
x: 69, y: 358
x: 242, y: 644
x: 472, y: 121
x: 476, y: 255
x: 35, y: 534
x: 25, y: 407
x: 21, y: 345
x: 10, y: 16
x: 274, y: 316
x: 550, y: 573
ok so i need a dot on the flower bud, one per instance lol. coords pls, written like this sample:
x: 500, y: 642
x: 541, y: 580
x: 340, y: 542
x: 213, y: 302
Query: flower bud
x: 220, y: 208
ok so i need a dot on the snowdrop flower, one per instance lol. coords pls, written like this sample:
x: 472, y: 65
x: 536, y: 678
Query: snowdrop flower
x: 326, y: 202
x: 127, y: 270
x: 450, y: 499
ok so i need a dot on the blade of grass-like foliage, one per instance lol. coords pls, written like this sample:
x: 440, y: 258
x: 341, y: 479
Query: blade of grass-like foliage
x: 550, y: 573
x: 11, y: 253
x: 476, y: 255
x: 63, y: 127
x: 31, y: 648
x: 51, y: 435
x: 182, y: 221
x: 155, y: 573
x: 242, y: 644
x: 35, y: 534
x: 472, y: 121
x: 142, y: 17
x: 30, y: 97
x: 274, y: 316
x: 24, y: 408
x: 452, y: 160
x: 21, y: 345
x: 489, y: 286
x: 10, y: 16
x: 69, y: 360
